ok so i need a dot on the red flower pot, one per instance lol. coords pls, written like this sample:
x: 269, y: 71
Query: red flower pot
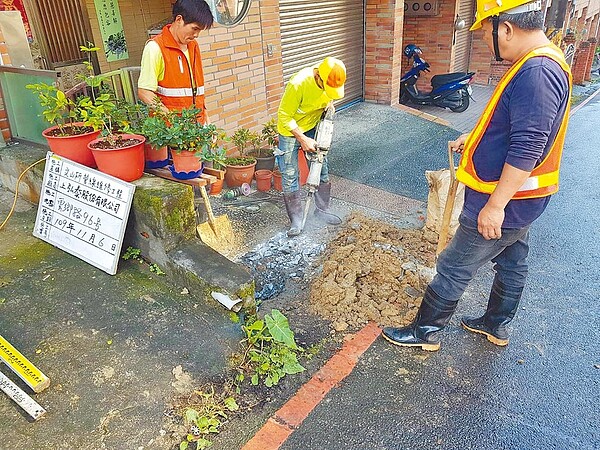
x: 185, y: 161
x: 156, y: 157
x: 72, y: 147
x: 277, y: 181
x: 126, y: 163
x: 217, y: 186
x: 263, y: 179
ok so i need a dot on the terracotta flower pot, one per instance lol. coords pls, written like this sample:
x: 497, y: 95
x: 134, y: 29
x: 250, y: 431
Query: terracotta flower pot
x: 235, y: 176
x: 277, y: 181
x: 126, y: 163
x: 156, y: 157
x: 263, y: 179
x: 186, y: 161
x: 72, y: 147
x: 217, y: 186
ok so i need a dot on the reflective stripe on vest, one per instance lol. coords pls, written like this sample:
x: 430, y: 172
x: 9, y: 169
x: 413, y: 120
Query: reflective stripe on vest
x: 178, y: 92
x: 177, y: 86
x: 543, y: 180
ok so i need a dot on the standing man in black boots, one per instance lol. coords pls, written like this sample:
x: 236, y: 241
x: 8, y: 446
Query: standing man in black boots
x: 306, y: 96
x: 509, y: 165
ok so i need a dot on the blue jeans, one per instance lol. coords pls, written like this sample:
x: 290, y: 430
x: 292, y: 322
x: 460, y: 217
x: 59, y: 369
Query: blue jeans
x: 286, y: 157
x: 468, y: 251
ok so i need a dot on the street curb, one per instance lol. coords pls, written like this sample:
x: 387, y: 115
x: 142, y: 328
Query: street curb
x: 585, y: 102
x: 290, y: 416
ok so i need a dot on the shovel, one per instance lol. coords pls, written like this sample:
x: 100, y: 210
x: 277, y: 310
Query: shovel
x: 217, y: 231
x: 449, y: 207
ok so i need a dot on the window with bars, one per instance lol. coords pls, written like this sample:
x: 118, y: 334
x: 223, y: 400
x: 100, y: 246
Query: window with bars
x: 61, y: 27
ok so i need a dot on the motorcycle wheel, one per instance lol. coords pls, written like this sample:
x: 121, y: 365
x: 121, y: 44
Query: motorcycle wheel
x: 464, y: 103
x: 404, y: 97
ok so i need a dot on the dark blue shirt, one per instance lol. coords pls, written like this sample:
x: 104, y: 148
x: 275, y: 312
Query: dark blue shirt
x: 520, y: 133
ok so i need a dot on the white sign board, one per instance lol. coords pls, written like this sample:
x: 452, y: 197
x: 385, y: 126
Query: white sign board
x: 83, y: 212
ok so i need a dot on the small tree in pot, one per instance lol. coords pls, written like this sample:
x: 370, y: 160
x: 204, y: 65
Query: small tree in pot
x: 263, y: 144
x: 240, y: 169
x: 67, y: 136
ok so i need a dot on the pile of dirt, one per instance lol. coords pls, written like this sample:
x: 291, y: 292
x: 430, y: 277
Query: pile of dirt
x: 372, y: 271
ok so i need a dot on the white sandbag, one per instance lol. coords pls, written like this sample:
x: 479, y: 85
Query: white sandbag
x: 439, y: 182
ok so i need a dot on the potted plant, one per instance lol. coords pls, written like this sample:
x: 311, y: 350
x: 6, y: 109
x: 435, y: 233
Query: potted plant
x: 263, y: 144
x: 117, y: 151
x: 214, y: 157
x: 67, y: 136
x: 240, y: 169
x: 154, y: 129
x: 187, y: 138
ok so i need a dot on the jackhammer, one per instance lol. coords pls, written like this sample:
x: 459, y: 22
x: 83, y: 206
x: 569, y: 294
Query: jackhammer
x: 323, y: 137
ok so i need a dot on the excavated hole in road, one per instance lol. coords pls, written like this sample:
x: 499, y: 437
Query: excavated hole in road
x: 371, y: 271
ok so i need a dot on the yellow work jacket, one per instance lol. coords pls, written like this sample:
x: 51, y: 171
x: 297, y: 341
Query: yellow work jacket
x: 179, y: 89
x: 543, y: 180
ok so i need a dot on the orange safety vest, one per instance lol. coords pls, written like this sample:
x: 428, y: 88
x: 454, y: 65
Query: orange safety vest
x: 543, y: 180
x: 178, y: 89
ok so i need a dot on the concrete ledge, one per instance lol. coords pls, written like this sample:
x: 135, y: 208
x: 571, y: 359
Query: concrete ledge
x: 162, y: 224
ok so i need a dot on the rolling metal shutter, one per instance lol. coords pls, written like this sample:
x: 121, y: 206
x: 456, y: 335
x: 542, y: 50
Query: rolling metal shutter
x: 311, y: 30
x: 462, y: 38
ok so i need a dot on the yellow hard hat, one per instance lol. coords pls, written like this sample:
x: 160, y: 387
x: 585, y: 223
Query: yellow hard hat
x: 490, y: 8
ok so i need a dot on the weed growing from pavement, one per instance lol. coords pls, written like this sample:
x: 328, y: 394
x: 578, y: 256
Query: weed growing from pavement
x: 269, y: 351
x: 205, y: 413
x: 136, y: 254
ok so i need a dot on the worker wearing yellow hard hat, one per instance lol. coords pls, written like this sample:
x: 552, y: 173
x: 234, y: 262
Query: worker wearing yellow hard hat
x: 491, y: 9
x: 510, y: 166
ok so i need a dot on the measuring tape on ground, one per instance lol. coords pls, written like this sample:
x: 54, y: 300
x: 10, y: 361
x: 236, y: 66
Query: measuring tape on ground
x: 30, y: 374
x: 29, y: 405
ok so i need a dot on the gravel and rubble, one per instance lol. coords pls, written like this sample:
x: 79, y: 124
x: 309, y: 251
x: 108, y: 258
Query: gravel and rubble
x: 364, y: 270
x: 279, y: 259
x: 372, y: 271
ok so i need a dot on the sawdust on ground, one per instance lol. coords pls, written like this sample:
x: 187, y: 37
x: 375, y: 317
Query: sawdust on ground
x: 373, y: 271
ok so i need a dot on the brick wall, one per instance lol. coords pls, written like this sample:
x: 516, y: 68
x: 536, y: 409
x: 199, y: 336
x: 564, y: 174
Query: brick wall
x: 242, y: 86
x: 4, y: 126
x: 580, y: 60
x: 383, y: 50
x: 590, y: 59
x: 481, y: 60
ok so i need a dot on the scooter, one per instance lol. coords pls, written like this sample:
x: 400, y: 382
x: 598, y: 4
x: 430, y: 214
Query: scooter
x: 450, y: 90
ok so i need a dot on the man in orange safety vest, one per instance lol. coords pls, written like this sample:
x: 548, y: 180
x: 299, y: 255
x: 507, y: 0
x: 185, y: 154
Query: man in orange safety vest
x: 510, y: 166
x: 171, y: 67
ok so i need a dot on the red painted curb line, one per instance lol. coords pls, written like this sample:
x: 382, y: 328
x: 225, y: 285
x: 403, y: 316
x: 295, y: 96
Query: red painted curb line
x: 288, y: 418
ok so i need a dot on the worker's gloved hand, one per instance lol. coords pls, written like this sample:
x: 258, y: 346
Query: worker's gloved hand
x: 309, y: 145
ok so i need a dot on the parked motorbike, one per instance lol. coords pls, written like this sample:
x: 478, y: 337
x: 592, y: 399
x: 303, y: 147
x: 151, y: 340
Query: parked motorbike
x: 450, y: 90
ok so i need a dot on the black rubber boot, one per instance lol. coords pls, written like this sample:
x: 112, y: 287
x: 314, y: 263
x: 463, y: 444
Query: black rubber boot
x: 501, y: 309
x: 322, y: 199
x: 293, y: 206
x: 434, y: 314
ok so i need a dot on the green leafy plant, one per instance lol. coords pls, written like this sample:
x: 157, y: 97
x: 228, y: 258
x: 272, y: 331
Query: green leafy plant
x: 269, y: 351
x: 269, y: 133
x: 155, y: 129
x: 154, y: 268
x: 241, y: 138
x: 136, y: 255
x: 205, y: 415
x: 183, y: 132
x: 59, y: 109
x: 132, y: 253
x: 214, y: 152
